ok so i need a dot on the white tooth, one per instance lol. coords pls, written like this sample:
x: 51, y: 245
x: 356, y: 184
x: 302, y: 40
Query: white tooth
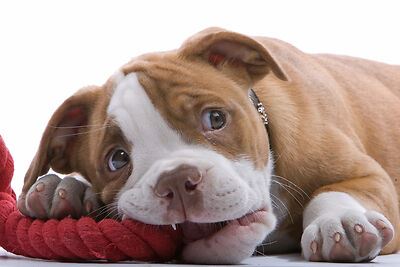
x: 173, y: 226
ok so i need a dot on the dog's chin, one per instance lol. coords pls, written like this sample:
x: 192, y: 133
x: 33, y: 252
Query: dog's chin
x: 193, y: 231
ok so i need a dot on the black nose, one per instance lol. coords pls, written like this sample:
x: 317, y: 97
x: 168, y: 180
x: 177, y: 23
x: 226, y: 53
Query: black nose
x: 180, y: 186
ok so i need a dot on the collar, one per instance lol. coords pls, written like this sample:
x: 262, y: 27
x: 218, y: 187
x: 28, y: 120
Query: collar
x: 260, y: 108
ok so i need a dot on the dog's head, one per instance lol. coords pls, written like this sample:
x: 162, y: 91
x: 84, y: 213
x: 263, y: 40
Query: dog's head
x: 171, y: 137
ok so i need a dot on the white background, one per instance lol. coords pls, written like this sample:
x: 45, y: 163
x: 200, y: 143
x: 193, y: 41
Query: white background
x: 49, y: 49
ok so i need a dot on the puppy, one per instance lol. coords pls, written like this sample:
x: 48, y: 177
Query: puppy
x: 179, y: 138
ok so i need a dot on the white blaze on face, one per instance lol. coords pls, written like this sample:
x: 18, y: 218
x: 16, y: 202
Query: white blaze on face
x: 230, y: 189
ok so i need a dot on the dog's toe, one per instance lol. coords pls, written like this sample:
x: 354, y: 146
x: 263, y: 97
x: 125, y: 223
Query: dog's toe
x: 39, y: 197
x: 67, y: 200
x: 383, y: 226
x: 341, y: 251
x: 367, y: 242
x: 315, y: 249
x: 91, y: 203
x: 311, y: 243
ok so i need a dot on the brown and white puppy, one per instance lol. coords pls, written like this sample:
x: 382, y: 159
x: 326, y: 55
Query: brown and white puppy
x: 172, y: 138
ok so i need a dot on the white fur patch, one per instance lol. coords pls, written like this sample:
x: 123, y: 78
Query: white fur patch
x: 334, y: 203
x: 230, y: 189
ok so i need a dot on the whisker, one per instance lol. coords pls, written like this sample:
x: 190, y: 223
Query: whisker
x: 290, y: 187
x: 116, y: 216
x: 82, y: 133
x: 259, y: 253
x: 103, y: 210
x: 286, y: 208
x: 269, y: 243
x: 292, y: 183
x: 79, y: 126
x: 295, y: 198
x: 274, y: 204
x: 98, y: 212
x: 277, y: 158
x: 108, y: 191
x: 113, y: 212
x: 263, y: 245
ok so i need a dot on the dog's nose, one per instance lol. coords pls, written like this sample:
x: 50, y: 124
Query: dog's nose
x: 180, y: 186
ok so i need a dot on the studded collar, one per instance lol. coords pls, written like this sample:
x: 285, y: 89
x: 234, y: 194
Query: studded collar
x: 260, y: 108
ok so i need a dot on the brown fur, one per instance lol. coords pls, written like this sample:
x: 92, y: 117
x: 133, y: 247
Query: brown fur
x: 335, y: 127
x: 334, y: 121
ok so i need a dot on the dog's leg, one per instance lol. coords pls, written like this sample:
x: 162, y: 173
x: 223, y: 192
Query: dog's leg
x: 52, y: 197
x: 344, y: 222
x: 233, y: 243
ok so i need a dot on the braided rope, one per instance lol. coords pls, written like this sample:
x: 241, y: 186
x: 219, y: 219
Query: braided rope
x: 78, y: 240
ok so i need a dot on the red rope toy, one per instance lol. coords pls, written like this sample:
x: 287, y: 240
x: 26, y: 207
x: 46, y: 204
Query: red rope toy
x: 78, y: 240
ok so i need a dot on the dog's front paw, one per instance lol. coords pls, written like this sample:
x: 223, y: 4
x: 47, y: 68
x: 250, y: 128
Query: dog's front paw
x: 52, y: 197
x: 233, y: 243
x: 352, y: 237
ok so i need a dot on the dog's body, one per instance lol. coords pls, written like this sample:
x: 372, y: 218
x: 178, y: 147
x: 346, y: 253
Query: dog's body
x: 331, y: 125
x: 199, y: 153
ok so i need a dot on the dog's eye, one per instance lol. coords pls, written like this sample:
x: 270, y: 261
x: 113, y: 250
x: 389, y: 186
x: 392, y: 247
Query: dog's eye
x: 117, y: 159
x: 213, y: 120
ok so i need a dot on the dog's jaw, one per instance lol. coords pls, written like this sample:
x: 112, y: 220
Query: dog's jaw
x: 231, y: 189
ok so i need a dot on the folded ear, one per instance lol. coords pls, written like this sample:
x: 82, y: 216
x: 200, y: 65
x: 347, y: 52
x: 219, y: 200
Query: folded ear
x: 63, y: 136
x: 219, y: 46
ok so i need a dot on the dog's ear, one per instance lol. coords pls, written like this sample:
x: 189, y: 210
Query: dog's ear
x: 63, y: 136
x: 221, y: 47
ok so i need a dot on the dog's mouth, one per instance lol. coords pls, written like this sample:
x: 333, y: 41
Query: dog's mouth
x: 195, y: 231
